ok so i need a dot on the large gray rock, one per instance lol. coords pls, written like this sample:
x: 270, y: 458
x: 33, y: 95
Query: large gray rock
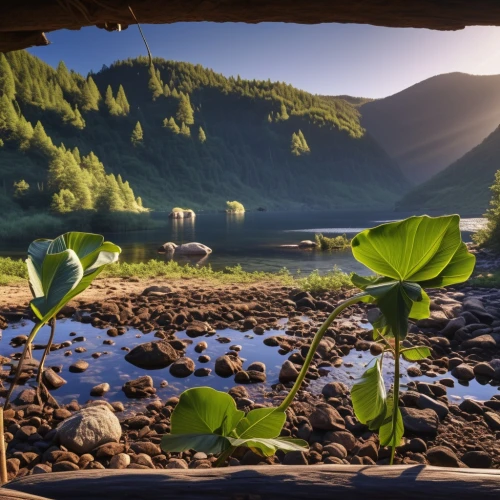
x: 288, y: 372
x: 188, y: 249
x: 425, y: 402
x: 89, y: 428
x: 141, y: 387
x: 483, y: 342
x: 225, y: 366
x: 52, y: 379
x: 182, y: 368
x: 152, y: 355
x: 326, y: 418
x: 420, y: 421
x: 182, y: 214
x: 463, y: 372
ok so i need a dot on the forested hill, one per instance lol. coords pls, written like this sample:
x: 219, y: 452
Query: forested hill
x: 177, y: 134
x: 428, y: 126
x: 462, y: 187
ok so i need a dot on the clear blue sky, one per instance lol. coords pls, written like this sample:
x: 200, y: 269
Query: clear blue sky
x: 324, y: 59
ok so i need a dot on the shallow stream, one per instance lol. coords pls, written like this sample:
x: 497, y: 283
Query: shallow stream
x: 111, y: 366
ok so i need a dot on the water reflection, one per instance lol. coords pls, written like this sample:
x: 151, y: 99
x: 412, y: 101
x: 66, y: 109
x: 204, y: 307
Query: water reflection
x: 235, y: 222
x: 183, y: 230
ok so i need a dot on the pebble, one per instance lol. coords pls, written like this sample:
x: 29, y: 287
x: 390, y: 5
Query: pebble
x: 78, y: 366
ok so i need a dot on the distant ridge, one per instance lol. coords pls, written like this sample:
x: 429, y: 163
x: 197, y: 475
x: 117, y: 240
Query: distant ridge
x: 428, y: 126
x: 463, y: 187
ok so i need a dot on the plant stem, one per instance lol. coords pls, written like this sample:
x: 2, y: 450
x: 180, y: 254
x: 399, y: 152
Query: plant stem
x: 39, y: 375
x: 46, y: 351
x: 312, y: 350
x: 19, y: 369
x: 224, y: 456
x: 3, y: 457
x: 395, y: 406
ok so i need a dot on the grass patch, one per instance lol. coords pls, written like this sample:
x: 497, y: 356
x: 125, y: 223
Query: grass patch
x: 174, y: 270
x: 15, y: 271
x: 12, y: 271
x: 486, y: 280
x: 319, y: 283
x: 335, y: 243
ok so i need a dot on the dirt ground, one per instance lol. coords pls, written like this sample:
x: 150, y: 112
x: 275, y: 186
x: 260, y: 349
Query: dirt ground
x: 18, y: 295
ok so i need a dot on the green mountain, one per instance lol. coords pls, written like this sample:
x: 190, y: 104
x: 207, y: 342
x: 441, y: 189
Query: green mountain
x: 464, y: 186
x: 175, y: 134
x: 428, y: 126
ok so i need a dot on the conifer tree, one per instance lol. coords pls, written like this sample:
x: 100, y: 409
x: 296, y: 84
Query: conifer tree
x: 110, y: 199
x: 296, y: 145
x: 76, y: 153
x: 90, y: 95
x: 185, y: 130
x: 121, y: 101
x: 171, y: 125
x: 23, y: 133
x: 283, y: 112
x: 127, y: 195
x: 66, y: 81
x: 21, y: 188
x: 166, y: 91
x: 155, y: 84
x: 41, y: 141
x: 305, y: 147
x: 175, y: 93
x: 139, y: 202
x: 185, y: 111
x: 92, y: 163
x: 137, y: 135
x: 62, y: 202
x: 299, y: 145
x: 7, y: 81
x: 201, y: 135
x: 111, y: 103
x: 78, y: 120
x: 8, y: 116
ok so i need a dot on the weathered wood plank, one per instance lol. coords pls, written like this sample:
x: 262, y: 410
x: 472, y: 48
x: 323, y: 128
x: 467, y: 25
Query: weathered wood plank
x: 6, y: 494
x: 320, y: 482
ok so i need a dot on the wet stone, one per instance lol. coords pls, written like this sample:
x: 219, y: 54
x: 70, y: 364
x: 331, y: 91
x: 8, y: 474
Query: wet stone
x: 78, y: 366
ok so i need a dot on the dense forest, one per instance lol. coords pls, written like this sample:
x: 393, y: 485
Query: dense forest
x: 138, y: 135
x: 464, y: 186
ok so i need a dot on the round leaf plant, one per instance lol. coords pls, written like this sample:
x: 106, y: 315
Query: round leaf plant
x: 406, y: 257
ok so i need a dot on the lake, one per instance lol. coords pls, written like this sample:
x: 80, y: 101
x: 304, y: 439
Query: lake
x: 252, y: 239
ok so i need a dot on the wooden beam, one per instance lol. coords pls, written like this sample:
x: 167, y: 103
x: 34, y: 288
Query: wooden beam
x: 17, y: 16
x: 318, y: 482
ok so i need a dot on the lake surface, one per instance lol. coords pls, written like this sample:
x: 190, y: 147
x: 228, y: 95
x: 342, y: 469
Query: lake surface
x: 252, y: 239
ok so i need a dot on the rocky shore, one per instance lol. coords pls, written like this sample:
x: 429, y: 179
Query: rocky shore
x: 463, y: 334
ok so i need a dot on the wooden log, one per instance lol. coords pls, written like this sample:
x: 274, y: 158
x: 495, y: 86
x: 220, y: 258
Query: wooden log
x: 346, y: 482
x: 6, y: 494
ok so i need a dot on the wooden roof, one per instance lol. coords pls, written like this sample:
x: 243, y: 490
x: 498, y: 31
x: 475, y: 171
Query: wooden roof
x: 24, y: 23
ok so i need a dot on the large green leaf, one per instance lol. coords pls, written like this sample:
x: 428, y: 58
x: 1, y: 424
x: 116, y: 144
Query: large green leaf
x: 36, y: 253
x: 261, y: 423
x: 268, y: 447
x: 203, y: 410
x: 397, y: 301
x: 208, y: 443
x: 61, y: 273
x: 392, y: 429
x: 369, y: 396
x: 415, y: 249
x: 416, y: 353
x: 458, y: 270
x: 88, y: 247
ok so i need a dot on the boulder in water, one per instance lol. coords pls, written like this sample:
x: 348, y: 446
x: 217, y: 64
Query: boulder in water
x: 187, y: 249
